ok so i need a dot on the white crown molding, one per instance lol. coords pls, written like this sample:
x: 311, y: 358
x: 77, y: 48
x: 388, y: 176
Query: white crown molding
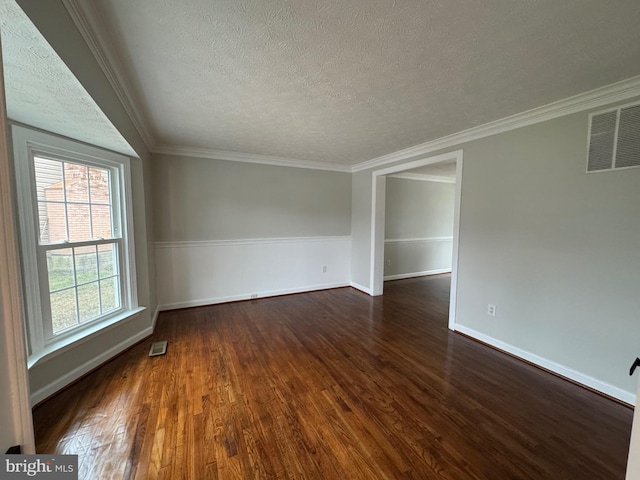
x: 248, y: 158
x: 84, y: 17
x: 424, y: 178
x: 599, y: 97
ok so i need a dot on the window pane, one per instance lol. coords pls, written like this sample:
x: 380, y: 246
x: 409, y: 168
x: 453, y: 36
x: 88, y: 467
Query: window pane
x: 52, y: 218
x: 101, y: 220
x: 53, y: 222
x: 99, y: 186
x: 108, y: 258
x: 88, y: 301
x: 76, y: 180
x: 48, y: 179
x: 60, y: 269
x: 86, y: 264
x: 63, y: 310
x: 79, y: 222
x: 110, y: 293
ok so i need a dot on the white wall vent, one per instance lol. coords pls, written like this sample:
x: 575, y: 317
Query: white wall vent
x: 614, y: 139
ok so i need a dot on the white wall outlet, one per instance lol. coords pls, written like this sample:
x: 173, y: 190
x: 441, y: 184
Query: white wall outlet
x: 324, y: 269
x: 388, y: 262
x: 491, y: 310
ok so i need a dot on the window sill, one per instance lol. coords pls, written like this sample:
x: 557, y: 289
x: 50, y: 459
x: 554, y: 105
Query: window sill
x: 58, y: 347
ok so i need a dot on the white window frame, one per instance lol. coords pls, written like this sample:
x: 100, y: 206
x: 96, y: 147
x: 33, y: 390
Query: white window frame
x: 28, y: 144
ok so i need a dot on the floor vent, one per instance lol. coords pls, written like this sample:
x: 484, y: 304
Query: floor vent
x: 158, y: 348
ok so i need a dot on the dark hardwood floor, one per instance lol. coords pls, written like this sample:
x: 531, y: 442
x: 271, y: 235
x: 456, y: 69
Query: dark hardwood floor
x: 331, y: 385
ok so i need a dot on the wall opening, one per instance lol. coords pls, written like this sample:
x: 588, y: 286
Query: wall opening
x: 378, y: 222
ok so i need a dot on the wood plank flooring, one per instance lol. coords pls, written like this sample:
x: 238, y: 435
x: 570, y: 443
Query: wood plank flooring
x: 331, y: 385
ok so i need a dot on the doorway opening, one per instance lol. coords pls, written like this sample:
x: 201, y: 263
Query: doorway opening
x: 378, y: 211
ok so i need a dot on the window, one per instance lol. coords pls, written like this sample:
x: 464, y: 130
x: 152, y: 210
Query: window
x: 77, y: 245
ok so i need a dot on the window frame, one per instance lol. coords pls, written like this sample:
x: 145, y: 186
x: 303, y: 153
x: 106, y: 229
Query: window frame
x: 27, y: 144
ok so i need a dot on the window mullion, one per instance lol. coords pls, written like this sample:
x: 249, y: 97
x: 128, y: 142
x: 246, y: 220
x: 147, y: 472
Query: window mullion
x: 75, y: 284
x: 99, y: 282
x: 89, y: 202
x: 40, y: 327
x: 64, y: 199
x: 86, y: 243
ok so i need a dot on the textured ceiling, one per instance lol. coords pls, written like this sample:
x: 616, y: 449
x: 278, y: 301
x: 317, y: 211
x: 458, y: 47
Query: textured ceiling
x: 42, y: 92
x: 347, y: 81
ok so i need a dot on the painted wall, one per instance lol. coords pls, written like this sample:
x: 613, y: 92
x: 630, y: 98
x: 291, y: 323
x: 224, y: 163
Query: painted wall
x: 16, y: 422
x: 8, y: 435
x: 555, y: 249
x: 361, y: 230
x: 204, y: 199
x: 418, y: 227
x: 229, y: 231
x: 53, y: 21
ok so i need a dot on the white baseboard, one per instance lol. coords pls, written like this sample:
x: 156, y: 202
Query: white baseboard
x: 85, y: 368
x: 236, y: 298
x: 417, y: 274
x: 362, y: 288
x: 552, y: 366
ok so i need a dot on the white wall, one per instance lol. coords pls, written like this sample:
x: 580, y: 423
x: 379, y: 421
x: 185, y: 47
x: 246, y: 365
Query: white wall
x: 204, y: 199
x: 361, y: 230
x: 228, y: 230
x: 55, y: 24
x: 203, y: 273
x: 16, y: 424
x: 8, y: 436
x: 418, y: 227
x: 554, y: 248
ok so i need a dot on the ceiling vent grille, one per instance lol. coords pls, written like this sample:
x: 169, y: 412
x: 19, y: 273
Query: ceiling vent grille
x: 614, y: 139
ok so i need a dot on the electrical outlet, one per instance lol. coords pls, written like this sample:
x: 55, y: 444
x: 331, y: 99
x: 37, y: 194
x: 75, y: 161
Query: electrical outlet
x: 324, y: 269
x: 491, y: 310
x: 388, y: 261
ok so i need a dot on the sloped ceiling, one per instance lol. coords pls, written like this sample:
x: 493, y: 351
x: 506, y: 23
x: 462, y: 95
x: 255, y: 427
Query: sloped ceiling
x: 344, y: 82
x: 42, y: 92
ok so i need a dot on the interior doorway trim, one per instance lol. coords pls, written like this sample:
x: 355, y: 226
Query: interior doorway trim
x: 378, y: 197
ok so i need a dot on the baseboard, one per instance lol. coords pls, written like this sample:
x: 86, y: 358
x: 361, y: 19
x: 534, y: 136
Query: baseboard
x: 247, y: 296
x: 561, y: 370
x: 402, y: 276
x: 61, y: 382
x: 362, y: 288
